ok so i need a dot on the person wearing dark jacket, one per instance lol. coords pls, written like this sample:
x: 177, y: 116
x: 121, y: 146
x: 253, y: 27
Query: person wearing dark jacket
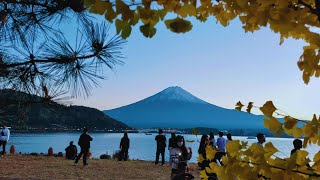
x: 71, y: 151
x: 124, y: 146
x: 204, y: 142
x: 161, y: 146
x: 84, y: 143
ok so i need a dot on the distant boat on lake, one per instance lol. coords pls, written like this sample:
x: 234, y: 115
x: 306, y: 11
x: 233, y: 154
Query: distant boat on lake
x: 147, y: 133
x: 251, y: 137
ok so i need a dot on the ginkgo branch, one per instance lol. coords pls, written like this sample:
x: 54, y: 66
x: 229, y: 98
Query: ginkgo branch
x: 284, y: 169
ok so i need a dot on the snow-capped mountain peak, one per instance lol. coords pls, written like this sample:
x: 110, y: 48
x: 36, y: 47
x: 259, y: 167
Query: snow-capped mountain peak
x: 175, y: 93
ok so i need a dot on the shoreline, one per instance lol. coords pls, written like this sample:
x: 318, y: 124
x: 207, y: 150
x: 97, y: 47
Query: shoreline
x: 22, y: 166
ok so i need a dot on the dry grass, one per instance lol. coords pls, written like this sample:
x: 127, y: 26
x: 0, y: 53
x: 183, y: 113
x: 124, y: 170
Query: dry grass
x: 43, y: 167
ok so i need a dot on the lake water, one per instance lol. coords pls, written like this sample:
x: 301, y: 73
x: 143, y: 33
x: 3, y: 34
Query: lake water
x: 141, y: 146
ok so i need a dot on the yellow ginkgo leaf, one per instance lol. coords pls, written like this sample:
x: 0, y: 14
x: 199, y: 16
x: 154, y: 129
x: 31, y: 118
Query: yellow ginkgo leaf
x: 195, y: 131
x: 316, y: 157
x: 268, y: 109
x: 110, y: 13
x: 273, y: 124
x: 289, y: 122
x: 126, y: 30
x: 296, y: 132
x: 250, y: 105
x: 269, y: 150
x: 239, y: 106
x: 148, y: 30
x: 99, y: 7
x: 178, y: 25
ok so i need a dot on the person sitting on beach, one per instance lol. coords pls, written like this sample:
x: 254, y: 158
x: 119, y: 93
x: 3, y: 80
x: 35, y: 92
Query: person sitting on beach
x: 261, y: 139
x: 71, y: 151
x: 179, y: 156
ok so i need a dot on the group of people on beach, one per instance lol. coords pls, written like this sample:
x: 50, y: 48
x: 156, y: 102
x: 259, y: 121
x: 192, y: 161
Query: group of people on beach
x: 179, y: 153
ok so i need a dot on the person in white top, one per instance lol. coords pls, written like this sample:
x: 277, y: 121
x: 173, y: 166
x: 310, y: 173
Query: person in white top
x: 5, y: 135
x: 221, y: 142
x: 261, y: 139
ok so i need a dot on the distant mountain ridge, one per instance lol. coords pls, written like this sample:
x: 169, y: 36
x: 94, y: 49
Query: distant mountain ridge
x: 174, y: 107
x: 23, y: 111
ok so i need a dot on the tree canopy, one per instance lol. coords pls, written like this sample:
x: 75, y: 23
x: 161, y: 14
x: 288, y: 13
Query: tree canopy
x: 37, y: 58
x: 298, y: 19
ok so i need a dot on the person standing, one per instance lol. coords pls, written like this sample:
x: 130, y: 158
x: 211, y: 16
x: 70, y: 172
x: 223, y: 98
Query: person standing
x: 124, y: 147
x: 229, y: 137
x: 179, y: 155
x: 297, y: 144
x: 204, y: 142
x: 261, y: 139
x: 84, y: 143
x: 161, y: 147
x: 5, y: 135
x: 221, y: 142
x: 172, y: 141
x: 213, y: 142
x: 71, y: 151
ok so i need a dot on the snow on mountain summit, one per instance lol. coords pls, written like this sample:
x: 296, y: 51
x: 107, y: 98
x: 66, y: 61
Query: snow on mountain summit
x: 174, y: 93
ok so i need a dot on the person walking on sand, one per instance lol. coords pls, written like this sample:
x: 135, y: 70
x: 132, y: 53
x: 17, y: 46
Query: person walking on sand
x: 161, y: 147
x: 5, y: 135
x: 84, y: 143
x: 124, y: 147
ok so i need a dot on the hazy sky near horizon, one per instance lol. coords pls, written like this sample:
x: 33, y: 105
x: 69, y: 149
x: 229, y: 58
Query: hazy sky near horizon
x: 220, y: 65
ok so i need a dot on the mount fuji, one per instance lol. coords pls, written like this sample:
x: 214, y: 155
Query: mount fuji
x: 174, y: 107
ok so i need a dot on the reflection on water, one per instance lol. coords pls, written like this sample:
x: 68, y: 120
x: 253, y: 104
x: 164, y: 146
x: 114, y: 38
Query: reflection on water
x: 141, y: 146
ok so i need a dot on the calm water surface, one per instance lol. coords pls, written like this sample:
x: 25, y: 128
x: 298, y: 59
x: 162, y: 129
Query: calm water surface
x: 141, y: 146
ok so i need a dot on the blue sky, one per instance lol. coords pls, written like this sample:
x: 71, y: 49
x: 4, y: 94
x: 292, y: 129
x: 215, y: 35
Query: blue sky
x: 220, y: 65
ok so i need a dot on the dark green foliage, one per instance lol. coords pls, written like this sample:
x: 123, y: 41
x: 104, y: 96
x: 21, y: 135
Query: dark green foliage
x: 22, y: 111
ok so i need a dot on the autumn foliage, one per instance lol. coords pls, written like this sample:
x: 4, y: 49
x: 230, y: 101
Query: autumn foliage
x: 253, y: 162
x: 297, y: 19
